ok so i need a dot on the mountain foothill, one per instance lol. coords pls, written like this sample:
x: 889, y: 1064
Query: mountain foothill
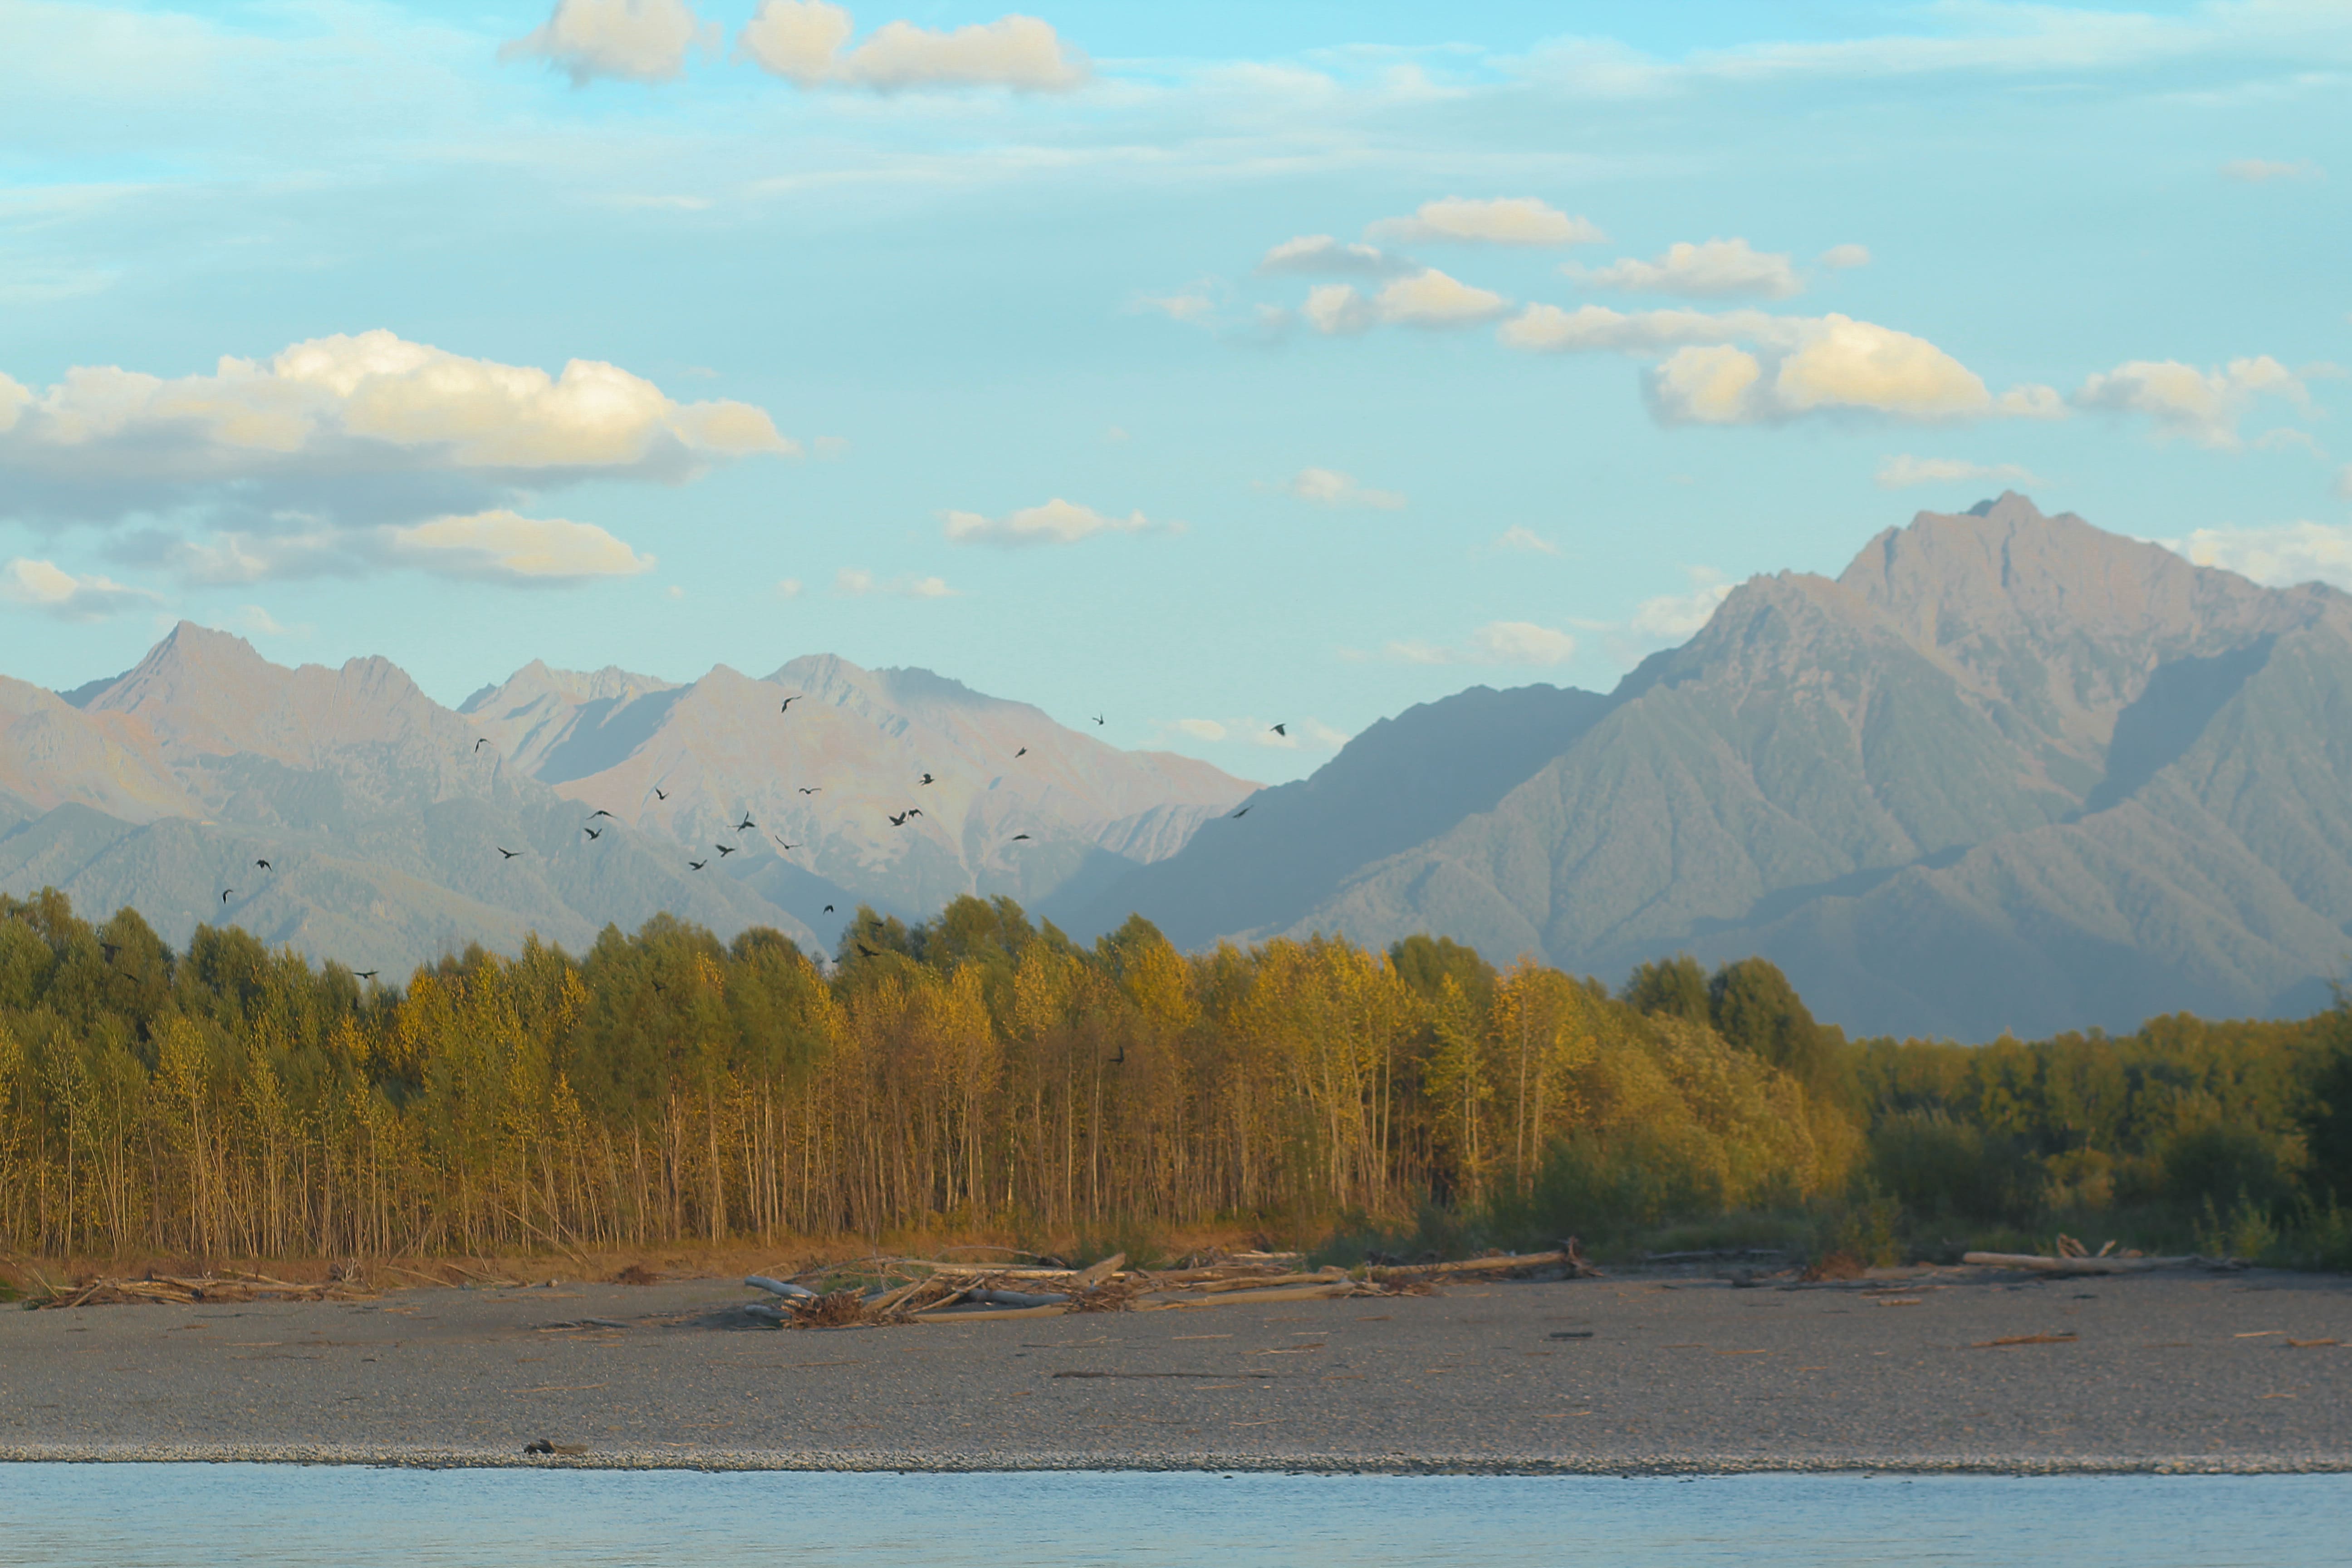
x: 2007, y: 773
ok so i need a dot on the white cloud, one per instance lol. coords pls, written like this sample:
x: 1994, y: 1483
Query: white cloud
x: 1329, y: 487
x: 501, y: 546
x: 1193, y: 302
x: 1318, y: 254
x: 1520, y: 643
x: 1505, y: 220
x: 1673, y: 617
x: 632, y: 40
x: 2261, y: 171
x: 806, y: 42
x: 2202, y: 405
x: 788, y: 588
x: 1710, y: 269
x: 830, y: 448
x: 1838, y: 257
x: 372, y: 399
x: 2029, y: 400
x: 255, y: 621
x: 1057, y: 521
x: 1527, y: 540
x: 2281, y: 555
x: 855, y: 582
x: 1791, y: 366
x: 1198, y: 729
x: 44, y: 586
x: 1426, y: 299
x: 1902, y: 470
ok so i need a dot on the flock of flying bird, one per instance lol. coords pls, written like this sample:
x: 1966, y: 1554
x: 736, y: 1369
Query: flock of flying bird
x: 897, y: 819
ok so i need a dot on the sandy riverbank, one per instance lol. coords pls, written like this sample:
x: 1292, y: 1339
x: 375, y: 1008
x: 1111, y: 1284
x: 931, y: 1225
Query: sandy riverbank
x: 1630, y: 1373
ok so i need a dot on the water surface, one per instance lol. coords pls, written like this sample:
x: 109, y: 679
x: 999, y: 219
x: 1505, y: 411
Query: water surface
x: 130, y: 1516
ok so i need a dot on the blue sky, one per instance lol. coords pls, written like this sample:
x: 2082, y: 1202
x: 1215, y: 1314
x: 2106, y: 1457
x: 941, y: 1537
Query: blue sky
x: 927, y: 336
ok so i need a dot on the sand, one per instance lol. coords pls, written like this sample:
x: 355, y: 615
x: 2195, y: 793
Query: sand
x: 1643, y: 1372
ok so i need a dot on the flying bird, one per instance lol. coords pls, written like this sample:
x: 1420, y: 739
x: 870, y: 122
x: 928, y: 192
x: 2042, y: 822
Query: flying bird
x: 724, y: 849
x: 900, y: 820
x: 502, y: 850
x: 264, y: 864
x: 1242, y: 812
x: 924, y: 780
x: 697, y: 865
x: 364, y: 974
x: 600, y: 811
x: 828, y: 909
x: 481, y: 743
x: 788, y: 703
x: 659, y: 794
x: 1098, y: 718
x: 1281, y: 730
x: 1022, y: 752
x: 865, y: 952
x: 780, y: 838
x: 593, y: 833
x: 811, y: 789
x: 225, y: 892
x: 109, y: 949
x: 746, y: 824
x: 1019, y: 837
x: 914, y: 811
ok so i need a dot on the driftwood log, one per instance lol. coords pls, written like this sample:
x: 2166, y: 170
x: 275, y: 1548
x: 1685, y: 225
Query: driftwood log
x: 2041, y: 1265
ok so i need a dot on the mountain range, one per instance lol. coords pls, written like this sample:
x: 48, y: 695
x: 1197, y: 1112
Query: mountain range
x: 386, y: 818
x: 2007, y: 772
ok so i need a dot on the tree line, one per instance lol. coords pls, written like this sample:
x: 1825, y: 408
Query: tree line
x: 979, y: 1073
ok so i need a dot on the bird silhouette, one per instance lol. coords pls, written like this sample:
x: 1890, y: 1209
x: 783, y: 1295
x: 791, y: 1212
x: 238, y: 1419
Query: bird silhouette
x: 1122, y: 1054
x: 1019, y: 837
x: 1022, y: 752
x: 780, y: 838
x: 900, y: 820
x: 225, y: 892
x: 697, y: 865
x: 481, y: 743
x: 924, y: 780
x: 1098, y: 718
x: 914, y: 811
x: 264, y: 864
x: 1242, y: 812
x: 1281, y: 730
x: 593, y: 833
x: 502, y: 850
x: 364, y: 974
x: 660, y: 794
x: 600, y: 811
x: 828, y: 909
x: 788, y: 703
x: 865, y: 952
x: 746, y: 825
x: 724, y: 849
x: 109, y: 949
x: 811, y: 789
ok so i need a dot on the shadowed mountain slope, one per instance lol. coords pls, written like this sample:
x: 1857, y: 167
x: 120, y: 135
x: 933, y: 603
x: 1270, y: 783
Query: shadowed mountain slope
x: 2007, y: 772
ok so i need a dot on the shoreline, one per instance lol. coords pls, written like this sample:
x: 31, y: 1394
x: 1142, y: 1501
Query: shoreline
x: 1661, y: 1372
x: 763, y: 1463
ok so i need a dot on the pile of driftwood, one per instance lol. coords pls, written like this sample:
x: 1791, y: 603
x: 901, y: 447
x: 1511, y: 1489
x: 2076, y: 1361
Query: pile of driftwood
x: 933, y: 1290
x: 172, y: 1289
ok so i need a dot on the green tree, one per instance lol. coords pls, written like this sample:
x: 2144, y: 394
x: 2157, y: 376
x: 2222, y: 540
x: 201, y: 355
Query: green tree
x: 1674, y: 987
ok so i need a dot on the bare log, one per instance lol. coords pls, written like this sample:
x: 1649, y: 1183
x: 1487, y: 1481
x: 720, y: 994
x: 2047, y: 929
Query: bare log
x: 2041, y: 1265
x: 779, y: 1288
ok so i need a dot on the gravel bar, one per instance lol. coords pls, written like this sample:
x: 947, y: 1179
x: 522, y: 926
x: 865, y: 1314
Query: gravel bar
x: 1958, y: 1370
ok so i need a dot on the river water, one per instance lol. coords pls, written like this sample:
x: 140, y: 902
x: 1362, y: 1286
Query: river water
x: 132, y: 1515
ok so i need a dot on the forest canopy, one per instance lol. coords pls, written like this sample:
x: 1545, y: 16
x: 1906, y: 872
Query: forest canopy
x: 979, y: 1072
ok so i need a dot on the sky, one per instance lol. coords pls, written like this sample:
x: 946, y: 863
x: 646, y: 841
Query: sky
x: 1202, y: 367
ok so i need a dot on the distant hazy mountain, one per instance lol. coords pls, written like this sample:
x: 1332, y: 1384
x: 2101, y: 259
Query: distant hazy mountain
x: 381, y: 813
x: 689, y: 763
x: 2007, y: 772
